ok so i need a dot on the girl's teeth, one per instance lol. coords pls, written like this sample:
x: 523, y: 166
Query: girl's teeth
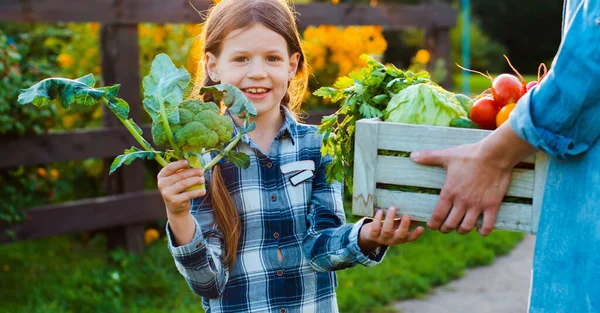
x: 256, y: 90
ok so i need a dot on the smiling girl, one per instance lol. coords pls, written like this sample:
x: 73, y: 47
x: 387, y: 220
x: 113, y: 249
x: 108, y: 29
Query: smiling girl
x: 268, y: 238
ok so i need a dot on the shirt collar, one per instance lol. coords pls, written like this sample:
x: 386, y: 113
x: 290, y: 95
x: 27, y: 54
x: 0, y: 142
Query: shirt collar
x: 289, y: 127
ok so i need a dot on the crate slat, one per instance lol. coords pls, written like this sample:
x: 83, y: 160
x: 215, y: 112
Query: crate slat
x: 365, y: 157
x: 511, y: 216
x: 408, y: 138
x: 541, y: 165
x: 405, y: 172
x: 370, y: 169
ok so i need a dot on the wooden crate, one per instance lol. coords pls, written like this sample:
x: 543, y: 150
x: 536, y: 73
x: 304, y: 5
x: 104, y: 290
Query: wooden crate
x: 372, y: 170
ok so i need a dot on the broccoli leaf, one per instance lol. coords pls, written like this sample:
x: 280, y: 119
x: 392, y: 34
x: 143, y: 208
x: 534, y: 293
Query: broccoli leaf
x: 239, y: 159
x: 233, y: 98
x: 130, y: 155
x: 64, y: 91
x: 246, y: 128
x: 165, y: 82
x: 136, y: 127
x: 118, y: 106
x: 111, y: 90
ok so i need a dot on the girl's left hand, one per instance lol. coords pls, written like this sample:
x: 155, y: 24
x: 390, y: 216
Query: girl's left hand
x: 390, y: 232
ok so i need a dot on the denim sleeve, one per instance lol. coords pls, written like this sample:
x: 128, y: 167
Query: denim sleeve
x: 201, y: 261
x: 561, y: 116
x: 331, y: 244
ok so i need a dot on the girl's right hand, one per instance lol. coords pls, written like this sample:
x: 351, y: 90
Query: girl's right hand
x: 173, y: 182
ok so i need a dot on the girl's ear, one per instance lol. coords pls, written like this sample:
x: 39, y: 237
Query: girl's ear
x: 293, y: 66
x: 210, y: 61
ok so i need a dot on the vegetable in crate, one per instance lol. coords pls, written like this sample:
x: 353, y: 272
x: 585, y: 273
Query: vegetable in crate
x: 424, y: 104
x: 191, y: 128
x: 363, y: 94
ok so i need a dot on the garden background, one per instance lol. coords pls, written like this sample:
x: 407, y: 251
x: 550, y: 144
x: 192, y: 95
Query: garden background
x: 79, y: 273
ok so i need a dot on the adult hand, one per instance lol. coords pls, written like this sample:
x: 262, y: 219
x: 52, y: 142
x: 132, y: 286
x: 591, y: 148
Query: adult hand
x: 474, y: 185
x: 478, y: 176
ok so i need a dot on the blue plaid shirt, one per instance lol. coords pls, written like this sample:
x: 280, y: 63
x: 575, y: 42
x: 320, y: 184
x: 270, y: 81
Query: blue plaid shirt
x: 304, y: 220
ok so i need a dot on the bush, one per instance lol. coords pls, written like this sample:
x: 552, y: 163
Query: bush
x: 486, y: 54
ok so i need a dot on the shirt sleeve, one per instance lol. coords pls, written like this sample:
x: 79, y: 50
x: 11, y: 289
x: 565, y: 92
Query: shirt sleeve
x: 201, y: 261
x: 560, y: 116
x: 331, y: 244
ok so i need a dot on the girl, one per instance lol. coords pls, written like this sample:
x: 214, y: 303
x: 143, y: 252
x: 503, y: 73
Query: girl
x: 268, y: 238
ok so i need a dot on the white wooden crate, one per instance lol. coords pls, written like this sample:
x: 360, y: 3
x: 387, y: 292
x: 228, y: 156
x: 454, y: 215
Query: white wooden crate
x: 371, y: 169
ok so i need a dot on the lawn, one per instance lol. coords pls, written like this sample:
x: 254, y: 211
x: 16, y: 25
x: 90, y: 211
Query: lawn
x: 479, y: 83
x: 62, y: 274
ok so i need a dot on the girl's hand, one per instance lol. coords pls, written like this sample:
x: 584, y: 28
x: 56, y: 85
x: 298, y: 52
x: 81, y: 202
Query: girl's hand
x: 390, y: 232
x: 173, y: 182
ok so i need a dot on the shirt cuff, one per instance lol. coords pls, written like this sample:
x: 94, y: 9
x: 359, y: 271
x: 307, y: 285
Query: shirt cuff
x: 523, y: 125
x: 184, y: 251
x: 372, y: 258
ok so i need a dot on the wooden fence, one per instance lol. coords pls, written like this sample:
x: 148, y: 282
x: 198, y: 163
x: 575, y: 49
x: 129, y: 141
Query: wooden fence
x: 127, y: 207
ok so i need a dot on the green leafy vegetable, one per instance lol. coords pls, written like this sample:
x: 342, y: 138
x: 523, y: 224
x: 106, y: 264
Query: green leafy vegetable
x: 362, y: 94
x: 191, y: 128
x: 423, y: 104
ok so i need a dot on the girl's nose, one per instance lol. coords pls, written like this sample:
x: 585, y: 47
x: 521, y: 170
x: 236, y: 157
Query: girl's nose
x: 257, y: 70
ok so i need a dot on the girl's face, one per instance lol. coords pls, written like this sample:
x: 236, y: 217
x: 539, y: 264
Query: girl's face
x: 257, y: 61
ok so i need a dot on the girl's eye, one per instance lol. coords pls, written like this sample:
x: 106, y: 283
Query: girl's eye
x: 241, y: 59
x: 273, y: 59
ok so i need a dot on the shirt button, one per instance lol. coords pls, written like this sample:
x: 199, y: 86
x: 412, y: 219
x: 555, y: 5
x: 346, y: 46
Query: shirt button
x: 270, y: 164
x: 276, y: 235
x: 279, y: 273
x: 273, y: 197
x: 282, y: 311
x: 598, y: 21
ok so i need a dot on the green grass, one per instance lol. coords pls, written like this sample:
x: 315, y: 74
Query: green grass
x: 61, y: 275
x: 479, y: 83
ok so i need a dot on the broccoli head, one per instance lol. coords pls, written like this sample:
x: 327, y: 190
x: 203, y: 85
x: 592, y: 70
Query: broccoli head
x: 201, y: 125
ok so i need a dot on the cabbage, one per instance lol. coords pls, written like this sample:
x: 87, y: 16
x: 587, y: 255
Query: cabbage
x: 423, y: 104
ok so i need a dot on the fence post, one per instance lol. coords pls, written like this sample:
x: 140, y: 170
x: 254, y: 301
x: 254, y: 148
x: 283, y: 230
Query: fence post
x: 120, y: 64
x: 437, y: 42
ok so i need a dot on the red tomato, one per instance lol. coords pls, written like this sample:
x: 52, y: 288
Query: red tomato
x: 484, y: 113
x: 507, y: 89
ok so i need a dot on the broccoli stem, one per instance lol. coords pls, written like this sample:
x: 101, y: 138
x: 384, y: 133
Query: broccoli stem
x: 230, y: 146
x: 139, y: 138
x: 165, y: 121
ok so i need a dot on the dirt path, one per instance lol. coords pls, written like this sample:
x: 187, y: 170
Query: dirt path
x: 502, y: 287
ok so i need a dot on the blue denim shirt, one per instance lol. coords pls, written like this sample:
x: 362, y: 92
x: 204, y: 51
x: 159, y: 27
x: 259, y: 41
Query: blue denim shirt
x: 561, y: 116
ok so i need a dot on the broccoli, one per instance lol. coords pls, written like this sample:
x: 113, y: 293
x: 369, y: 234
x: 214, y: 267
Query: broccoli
x: 201, y: 127
x: 190, y: 128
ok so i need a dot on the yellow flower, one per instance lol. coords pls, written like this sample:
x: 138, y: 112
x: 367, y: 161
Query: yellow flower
x: 97, y: 69
x: 6, y: 267
x: 151, y: 235
x: 42, y: 172
x: 90, y: 52
x: 94, y: 27
x: 54, y: 173
x: 65, y: 60
x: 423, y: 56
x: 144, y: 31
x: 335, y: 1
x: 311, y: 33
x: 373, y: 3
x: 193, y: 29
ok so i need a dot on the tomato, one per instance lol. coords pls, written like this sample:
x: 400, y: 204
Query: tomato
x: 507, y: 89
x: 484, y: 113
x: 504, y: 114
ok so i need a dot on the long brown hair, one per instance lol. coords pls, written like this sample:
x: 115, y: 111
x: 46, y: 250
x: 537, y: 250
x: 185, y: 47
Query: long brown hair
x: 223, y: 18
